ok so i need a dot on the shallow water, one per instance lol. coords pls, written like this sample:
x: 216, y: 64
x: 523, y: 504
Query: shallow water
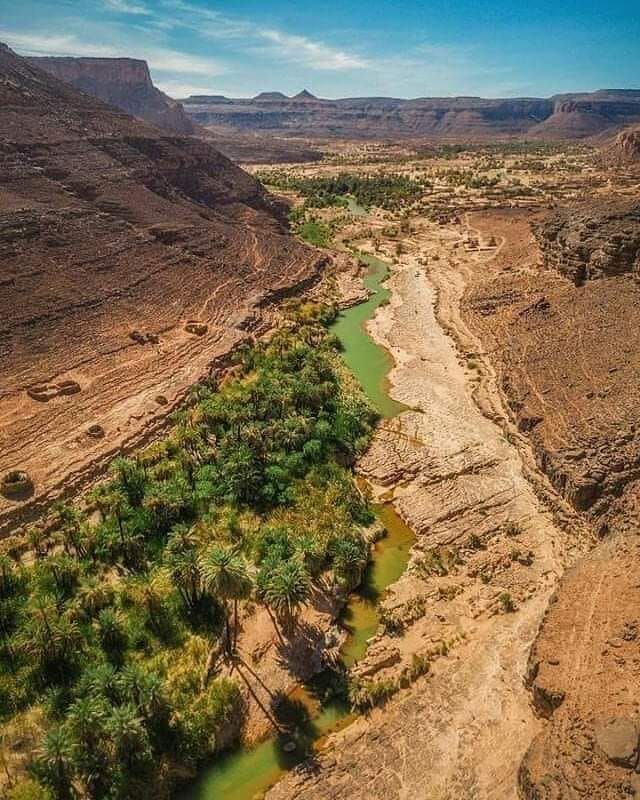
x: 368, y: 361
x: 311, y: 713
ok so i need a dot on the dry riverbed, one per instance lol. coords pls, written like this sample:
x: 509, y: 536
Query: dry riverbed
x: 492, y: 542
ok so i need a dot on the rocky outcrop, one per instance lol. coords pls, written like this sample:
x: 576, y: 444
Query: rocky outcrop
x: 569, y: 360
x: 583, y: 670
x: 116, y: 240
x: 121, y: 82
x: 578, y: 116
x: 626, y: 147
x: 592, y: 241
x: 560, y: 117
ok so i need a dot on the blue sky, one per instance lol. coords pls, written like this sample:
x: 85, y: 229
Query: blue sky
x: 348, y: 48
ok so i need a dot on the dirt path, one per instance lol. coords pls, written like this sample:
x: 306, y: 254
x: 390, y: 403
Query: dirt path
x: 486, y: 543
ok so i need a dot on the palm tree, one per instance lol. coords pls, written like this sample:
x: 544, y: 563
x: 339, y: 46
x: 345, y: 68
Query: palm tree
x: 69, y: 520
x: 225, y: 575
x: 92, y: 596
x: 130, y: 738
x: 112, y: 500
x: 148, y: 590
x: 87, y: 717
x: 8, y: 579
x: 285, y: 588
x: 57, y: 761
x: 53, y: 641
x: 349, y: 559
x: 181, y: 559
x: 111, y: 634
x: 167, y: 500
x: 131, y: 479
x: 190, y: 440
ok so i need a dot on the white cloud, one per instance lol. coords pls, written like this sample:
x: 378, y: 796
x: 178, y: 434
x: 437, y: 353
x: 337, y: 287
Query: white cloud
x: 126, y: 7
x: 310, y: 53
x: 53, y: 45
x: 167, y: 60
x: 158, y: 58
x: 179, y: 89
x: 289, y: 47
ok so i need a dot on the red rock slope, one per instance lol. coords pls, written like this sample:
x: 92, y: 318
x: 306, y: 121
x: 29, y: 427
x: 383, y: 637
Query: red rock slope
x: 129, y: 261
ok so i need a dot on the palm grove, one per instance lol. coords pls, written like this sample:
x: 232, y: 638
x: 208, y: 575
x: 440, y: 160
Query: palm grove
x: 111, y: 625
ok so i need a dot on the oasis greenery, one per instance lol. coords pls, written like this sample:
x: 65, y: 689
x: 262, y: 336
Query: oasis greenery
x: 110, y: 633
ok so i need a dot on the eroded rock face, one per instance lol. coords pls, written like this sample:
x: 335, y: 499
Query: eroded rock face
x: 113, y: 238
x: 617, y: 738
x: 586, y: 653
x: 626, y: 147
x: 592, y: 241
x: 560, y: 117
x: 121, y: 82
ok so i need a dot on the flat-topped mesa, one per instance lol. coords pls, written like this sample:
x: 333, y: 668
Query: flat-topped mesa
x: 122, y: 82
x: 581, y: 115
x: 592, y: 241
x: 571, y: 116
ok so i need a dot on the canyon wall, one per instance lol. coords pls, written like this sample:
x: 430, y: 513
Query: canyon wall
x: 560, y: 117
x: 132, y: 262
x: 121, y: 82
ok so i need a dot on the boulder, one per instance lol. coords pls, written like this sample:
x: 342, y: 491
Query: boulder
x: 617, y: 738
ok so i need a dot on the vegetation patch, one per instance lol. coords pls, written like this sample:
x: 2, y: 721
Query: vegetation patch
x: 384, y: 190
x: 113, y: 628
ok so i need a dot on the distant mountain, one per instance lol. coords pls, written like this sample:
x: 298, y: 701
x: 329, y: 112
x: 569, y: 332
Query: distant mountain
x: 564, y: 116
x: 269, y: 96
x: 303, y: 96
x: 124, y: 83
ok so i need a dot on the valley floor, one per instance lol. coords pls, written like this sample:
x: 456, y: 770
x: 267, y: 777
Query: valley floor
x: 490, y: 552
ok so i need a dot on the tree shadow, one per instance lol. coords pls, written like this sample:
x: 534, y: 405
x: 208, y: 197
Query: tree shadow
x: 294, y: 743
x: 305, y: 644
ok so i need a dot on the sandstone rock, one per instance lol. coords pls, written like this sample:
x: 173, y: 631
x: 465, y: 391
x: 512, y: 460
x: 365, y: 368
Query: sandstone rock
x: 378, y: 659
x: 626, y: 147
x: 197, y: 328
x: 618, y: 739
x: 66, y: 388
x: 16, y: 485
x: 95, y: 431
x: 592, y: 240
x: 95, y: 181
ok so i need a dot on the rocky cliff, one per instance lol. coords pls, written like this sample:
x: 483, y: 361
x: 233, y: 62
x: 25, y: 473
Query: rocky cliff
x: 569, y: 358
x: 121, y: 82
x: 560, y: 117
x: 131, y: 263
x: 592, y: 241
x: 578, y: 116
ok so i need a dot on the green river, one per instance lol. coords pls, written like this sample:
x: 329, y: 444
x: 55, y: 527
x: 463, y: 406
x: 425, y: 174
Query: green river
x: 246, y: 773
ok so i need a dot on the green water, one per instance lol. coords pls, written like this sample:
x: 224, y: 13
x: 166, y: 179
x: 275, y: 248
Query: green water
x: 369, y: 362
x: 389, y: 561
x: 310, y: 713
